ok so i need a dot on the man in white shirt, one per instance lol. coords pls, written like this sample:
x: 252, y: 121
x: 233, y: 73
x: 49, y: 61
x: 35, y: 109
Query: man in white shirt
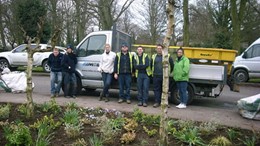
x: 106, y: 67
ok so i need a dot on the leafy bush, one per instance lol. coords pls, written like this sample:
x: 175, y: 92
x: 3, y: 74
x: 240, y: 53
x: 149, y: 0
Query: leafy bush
x: 51, y: 106
x: 17, y: 134
x: 73, y: 130
x: 138, y: 115
x: 95, y: 141
x: 207, y: 128
x: 5, y: 111
x: 22, y: 109
x: 71, y: 117
x: 150, y: 132
x: 249, y: 141
x: 146, y: 119
x: 232, y: 134
x: 46, y: 121
x: 190, y: 136
x: 80, y: 142
x: 71, y: 106
x: 220, y: 141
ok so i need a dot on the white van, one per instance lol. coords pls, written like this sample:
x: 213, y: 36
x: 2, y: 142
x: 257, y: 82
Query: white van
x: 247, y: 65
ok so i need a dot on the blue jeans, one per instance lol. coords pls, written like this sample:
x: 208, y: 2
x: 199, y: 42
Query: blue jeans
x: 143, y: 82
x: 70, y: 84
x: 124, y: 81
x: 107, y: 78
x: 157, y: 83
x: 56, y: 78
x: 182, y: 87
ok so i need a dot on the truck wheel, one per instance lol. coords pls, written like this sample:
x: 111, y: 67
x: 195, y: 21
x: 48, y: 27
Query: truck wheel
x: 45, y: 66
x: 4, y: 64
x: 241, y: 75
x: 175, y: 97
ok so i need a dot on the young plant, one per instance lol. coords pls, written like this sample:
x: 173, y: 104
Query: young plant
x: 17, y: 134
x: 130, y: 125
x: 150, y: 133
x: 95, y: 141
x: 189, y: 136
x: 109, y: 128
x: 71, y: 106
x: 44, y: 136
x: 151, y: 120
x: 220, y: 141
x: 22, y: 109
x: 51, y: 106
x: 138, y: 115
x: 207, y: 128
x: 73, y: 130
x: 71, y: 117
x: 46, y: 121
x: 249, y: 141
x: 5, y: 111
x: 232, y: 134
x: 80, y: 142
x: 128, y: 137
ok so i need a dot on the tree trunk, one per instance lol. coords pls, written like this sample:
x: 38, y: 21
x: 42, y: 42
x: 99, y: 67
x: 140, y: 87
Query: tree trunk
x: 237, y: 17
x: 186, y: 33
x: 2, y: 28
x: 164, y: 102
x: 29, y: 89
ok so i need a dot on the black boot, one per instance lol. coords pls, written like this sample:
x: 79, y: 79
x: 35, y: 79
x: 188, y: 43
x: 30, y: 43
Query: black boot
x: 101, y: 96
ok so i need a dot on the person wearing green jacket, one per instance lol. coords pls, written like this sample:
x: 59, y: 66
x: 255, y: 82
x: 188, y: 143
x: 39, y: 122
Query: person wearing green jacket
x: 181, y: 76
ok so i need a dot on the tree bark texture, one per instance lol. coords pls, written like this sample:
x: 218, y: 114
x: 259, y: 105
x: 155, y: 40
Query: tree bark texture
x: 164, y: 101
x: 186, y: 33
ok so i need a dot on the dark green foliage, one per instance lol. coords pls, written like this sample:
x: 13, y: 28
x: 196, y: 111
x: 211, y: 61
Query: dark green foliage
x: 29, y: 14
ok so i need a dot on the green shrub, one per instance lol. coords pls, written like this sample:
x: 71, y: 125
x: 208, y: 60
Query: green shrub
x: 71, y: 106
x: 232, y: 134
x: 190, y: 136
x: 80, y: 142
x: 220, y: 141
x: 46, y: 121
x: 95, y: 140
x: 5, y: 111
x: 22, y: 109
x: 71, y: 116
x: 150, y: 133
x: 73, y: 130
x: 17, y: 134
x: 51, y: 106
x: 249, y: 141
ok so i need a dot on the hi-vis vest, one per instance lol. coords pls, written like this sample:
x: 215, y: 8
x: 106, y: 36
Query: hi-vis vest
x: 153, y: 57
x: 148, y: 69
x: 118, y: 54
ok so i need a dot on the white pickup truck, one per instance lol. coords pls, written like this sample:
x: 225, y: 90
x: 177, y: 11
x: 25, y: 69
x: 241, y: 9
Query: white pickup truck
x: 204, y: 78
x: 18, y: 57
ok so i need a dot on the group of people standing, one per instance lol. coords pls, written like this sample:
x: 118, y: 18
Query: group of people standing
x: 123, y: 65
x: 63, y: 68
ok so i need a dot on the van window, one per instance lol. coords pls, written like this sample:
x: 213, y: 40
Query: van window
x: 93, y: 45
x: 256, y: 51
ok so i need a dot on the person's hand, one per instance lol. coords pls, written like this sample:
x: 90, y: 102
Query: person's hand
x: 115, y: 76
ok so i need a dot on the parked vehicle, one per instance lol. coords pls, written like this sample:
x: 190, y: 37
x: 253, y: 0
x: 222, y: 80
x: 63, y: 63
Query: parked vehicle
x: 209, y: 69
x: 247, y: 65
x: 18, y: 57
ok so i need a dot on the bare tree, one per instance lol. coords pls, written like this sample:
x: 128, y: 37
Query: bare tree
x: 186, y: 33
x: 1, y: 27
x: 154, y: 18
x: 237, y: 15
x: 107, y: 12
x: 164, y: 102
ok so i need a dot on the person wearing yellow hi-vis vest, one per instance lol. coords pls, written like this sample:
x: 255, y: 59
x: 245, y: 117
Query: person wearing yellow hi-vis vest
x: 181, y: 76
x: 142, y: 73
x: 157, y: 73
x: 123, y: 69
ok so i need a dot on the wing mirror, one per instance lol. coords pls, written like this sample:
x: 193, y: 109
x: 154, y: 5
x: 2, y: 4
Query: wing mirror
x: 244, y: 55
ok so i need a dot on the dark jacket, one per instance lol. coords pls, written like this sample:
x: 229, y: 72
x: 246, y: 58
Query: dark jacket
x: 141, y: 67
x: 124, y: 63
x: 55, y: 62
x: 69, y: 62
x: 158, y: 66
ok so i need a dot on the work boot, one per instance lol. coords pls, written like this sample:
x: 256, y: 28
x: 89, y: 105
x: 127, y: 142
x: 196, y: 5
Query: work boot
x: 101, y: 96
x: 140, y: 103
x: 156, y: 105
x: 128, y: 101
x: 52, y: 95
x: 107, y: 99
x: 120, y: 100
x: 144, y: 104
